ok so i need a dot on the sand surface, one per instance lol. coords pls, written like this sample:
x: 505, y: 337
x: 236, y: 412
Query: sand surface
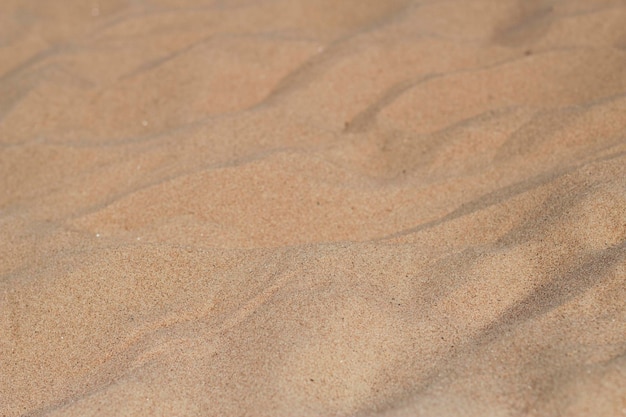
x: 313, y: 208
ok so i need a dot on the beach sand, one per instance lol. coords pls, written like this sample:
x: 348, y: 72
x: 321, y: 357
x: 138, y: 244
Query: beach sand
x: 313, y: 208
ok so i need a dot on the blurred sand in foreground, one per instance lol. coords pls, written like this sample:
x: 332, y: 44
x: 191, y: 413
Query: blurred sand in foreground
x: 313, y: 208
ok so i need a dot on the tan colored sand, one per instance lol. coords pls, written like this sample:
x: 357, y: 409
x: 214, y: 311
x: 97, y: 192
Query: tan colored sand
x: 313, y: 208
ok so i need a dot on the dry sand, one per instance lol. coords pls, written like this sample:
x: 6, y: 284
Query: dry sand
x: 313, y: 208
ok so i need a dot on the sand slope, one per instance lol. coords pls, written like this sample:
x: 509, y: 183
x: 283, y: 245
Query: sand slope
x: 313, y: 208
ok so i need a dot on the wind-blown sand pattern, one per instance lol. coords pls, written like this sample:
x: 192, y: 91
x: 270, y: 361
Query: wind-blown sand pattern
x: 313, y: 208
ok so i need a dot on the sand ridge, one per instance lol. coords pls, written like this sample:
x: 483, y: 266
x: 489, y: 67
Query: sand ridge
x: 313, y: 208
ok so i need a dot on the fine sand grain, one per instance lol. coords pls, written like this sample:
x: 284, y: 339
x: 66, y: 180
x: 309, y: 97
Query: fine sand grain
x: 313, y: 208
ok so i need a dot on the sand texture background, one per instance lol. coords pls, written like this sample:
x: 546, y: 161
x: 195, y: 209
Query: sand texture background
x: 313, y: 208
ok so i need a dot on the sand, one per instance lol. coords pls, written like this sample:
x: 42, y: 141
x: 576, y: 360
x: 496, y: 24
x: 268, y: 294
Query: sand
x: 313, y: 208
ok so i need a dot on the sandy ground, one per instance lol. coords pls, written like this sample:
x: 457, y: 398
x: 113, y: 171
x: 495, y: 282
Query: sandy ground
x: 313, y: 208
